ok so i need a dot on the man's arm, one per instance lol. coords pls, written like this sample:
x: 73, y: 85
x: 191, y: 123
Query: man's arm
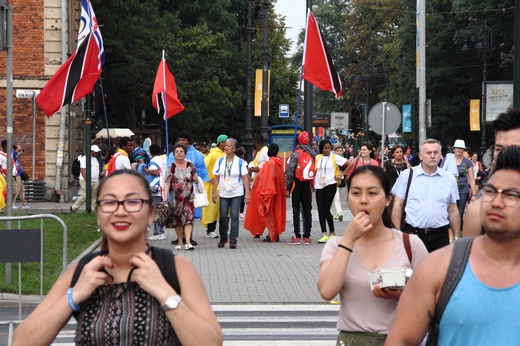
x: 397, y: 212
x: 472, y: 226
x: 83, y: 172
x: 454, y: 218
x: 419, y: 299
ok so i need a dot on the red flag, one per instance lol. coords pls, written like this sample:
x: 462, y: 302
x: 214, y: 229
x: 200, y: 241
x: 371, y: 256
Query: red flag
x: 78, y: 75
x: 164, y: 98
x: 318, y: 67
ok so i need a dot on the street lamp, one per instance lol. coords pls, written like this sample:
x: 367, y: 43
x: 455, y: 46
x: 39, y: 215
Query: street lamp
x: 484, y: 48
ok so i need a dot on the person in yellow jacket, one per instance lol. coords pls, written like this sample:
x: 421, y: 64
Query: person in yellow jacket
x: 3, y: 187
x: 211, y: 214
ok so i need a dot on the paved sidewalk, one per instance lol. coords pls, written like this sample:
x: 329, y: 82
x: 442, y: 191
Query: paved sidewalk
x: 256, y: 272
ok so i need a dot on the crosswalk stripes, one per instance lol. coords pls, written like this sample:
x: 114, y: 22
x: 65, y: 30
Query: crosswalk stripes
x: 263, y: 324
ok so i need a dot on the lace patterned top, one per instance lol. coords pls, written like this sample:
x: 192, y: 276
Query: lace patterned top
x: 123, y: 314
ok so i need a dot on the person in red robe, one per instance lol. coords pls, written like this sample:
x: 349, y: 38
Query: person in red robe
x: 268, y: 198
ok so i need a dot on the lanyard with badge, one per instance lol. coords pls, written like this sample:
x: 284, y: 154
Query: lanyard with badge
x: 227, y: 178
x: 323, y: 176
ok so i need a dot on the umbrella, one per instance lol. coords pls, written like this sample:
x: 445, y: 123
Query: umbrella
x: 113, y: 133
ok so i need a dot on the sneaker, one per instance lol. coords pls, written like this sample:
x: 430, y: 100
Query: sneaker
x: 157, y: 237
x: 335, y: 217
x: 178, y: 247
x: 323, y: 239
x: 294, y: 241
x: 242, y: 216
x: 189, y: 247
x: 26, y: 206
x: 211, y: 235
x: 307, y: 241
x: 331, y: 236
x: 340, y: 217
x: 15, y: 206
x: 232, y: 245
x: 222, y: 243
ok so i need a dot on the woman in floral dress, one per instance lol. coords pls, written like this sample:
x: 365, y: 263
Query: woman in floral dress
x: 179, y: 183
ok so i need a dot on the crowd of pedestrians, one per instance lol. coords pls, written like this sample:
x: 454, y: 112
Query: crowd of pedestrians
x: 403, y: 208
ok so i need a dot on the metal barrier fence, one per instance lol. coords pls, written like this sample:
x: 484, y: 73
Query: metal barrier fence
x: 26, y: 245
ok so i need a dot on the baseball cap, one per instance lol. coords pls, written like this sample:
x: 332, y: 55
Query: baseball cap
x: 95, y: 148
x: 221, y: 138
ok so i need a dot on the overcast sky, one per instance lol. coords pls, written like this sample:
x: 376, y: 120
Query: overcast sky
x: 294, y: 12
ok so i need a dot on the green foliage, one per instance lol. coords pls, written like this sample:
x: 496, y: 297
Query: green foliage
x: 81, y: 229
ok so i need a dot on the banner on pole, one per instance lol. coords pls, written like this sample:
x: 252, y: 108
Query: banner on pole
x: 474, y: 115
x: 407, y: 118
x: 258, y: 92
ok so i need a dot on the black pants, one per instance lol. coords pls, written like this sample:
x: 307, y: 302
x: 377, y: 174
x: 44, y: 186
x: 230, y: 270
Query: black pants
x: 432, y: 240
x: 302, y: 196
x: 324, y: 199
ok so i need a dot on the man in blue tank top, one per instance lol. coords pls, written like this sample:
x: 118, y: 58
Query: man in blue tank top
x: 483, y: 308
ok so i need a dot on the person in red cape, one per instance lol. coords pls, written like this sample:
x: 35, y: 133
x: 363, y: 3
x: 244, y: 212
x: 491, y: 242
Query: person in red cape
x: 267, y: 205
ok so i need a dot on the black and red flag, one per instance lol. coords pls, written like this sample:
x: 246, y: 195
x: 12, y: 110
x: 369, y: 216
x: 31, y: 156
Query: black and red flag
x: 164, y: 98
x: 318, y: 67
x: 79, y: 74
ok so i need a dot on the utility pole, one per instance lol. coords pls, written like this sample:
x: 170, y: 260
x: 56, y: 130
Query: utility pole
x: 421, y: 76
x: 308, y: 96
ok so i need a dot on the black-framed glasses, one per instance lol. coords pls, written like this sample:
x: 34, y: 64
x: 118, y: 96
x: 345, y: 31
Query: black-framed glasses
x: 131, y: 205
x: 509, y: 197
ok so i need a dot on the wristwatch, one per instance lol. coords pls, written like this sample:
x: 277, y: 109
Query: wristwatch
x: 171, y: 303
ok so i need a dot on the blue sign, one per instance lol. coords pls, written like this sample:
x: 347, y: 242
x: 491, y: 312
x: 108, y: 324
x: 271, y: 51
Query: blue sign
x: 283, y: 111
x: 407, y: 118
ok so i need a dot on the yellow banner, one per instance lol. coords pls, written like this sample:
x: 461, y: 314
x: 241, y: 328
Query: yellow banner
x: 258, y: 92
x: 474, y: 115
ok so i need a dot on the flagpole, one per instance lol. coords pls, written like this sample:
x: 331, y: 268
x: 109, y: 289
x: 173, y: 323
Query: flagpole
x: 165, y: 103
x: 104, y: 110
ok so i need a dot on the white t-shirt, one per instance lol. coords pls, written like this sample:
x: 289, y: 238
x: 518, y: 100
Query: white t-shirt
x: 122, y: 162
x: 158, y: 162
x: 325, y: 170
x: 260, y: 159
x: 230, y: 175
x: 94, y: 168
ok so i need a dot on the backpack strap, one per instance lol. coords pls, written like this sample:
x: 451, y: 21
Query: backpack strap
x: 407, y: 246
x: 163, y: 257
x: 403, y: 214
x: 166, y: 262
x: 458, y: 261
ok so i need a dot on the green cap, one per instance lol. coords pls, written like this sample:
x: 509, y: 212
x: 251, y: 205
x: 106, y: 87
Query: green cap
x: 221, y: 138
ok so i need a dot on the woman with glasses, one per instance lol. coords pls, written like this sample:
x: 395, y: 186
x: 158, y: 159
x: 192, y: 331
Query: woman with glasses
x: 179, y: 185
x: 129, y: 293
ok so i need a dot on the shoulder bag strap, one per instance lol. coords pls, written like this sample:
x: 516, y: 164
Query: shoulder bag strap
x: 403, y: 215
x: 407, y: 246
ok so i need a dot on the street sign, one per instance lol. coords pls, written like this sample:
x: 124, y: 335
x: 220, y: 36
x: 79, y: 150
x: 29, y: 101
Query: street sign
x: 392, y: 118
x: 26, y: 94
x: 339, y: 120
x: 283, y: 111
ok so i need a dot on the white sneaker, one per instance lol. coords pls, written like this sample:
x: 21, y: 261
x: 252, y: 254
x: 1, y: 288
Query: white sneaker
x: 157, y: 237
x: 27, y: 206
x: 211, y: 235
x: 15, y: 206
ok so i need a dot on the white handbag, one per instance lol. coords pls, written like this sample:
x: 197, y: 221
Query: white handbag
x: 201, y: 198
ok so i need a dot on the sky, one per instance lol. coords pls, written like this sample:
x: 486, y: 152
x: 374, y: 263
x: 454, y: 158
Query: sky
x: 294, y: 12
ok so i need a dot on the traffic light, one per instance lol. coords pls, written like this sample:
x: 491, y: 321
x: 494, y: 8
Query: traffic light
x: 355, y: 119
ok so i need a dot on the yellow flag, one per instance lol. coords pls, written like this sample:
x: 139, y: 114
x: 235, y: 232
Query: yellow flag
x: 474, y: 115
x: 258, y: 92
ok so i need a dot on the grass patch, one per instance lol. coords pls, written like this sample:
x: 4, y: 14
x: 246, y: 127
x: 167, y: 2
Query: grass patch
x: 81, y: 229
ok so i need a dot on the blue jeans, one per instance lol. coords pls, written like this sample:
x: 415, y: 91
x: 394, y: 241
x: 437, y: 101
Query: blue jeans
x: 157, y: 229
x: 226, y: 204
x: 461, y: 205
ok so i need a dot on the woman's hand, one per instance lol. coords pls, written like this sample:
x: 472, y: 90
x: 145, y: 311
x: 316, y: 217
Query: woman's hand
x: 214, y: 198
x: 359, y: 225
x: 387, y: 293
x: 148, y: 275
x: 92, y: 276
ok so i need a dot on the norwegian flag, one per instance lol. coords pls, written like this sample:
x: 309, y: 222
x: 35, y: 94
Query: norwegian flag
x: 318, y: 67
x: 79, y: 74
x: 164, y: 98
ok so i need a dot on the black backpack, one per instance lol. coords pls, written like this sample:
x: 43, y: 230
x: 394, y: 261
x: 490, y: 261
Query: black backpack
x: 75, y: 167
